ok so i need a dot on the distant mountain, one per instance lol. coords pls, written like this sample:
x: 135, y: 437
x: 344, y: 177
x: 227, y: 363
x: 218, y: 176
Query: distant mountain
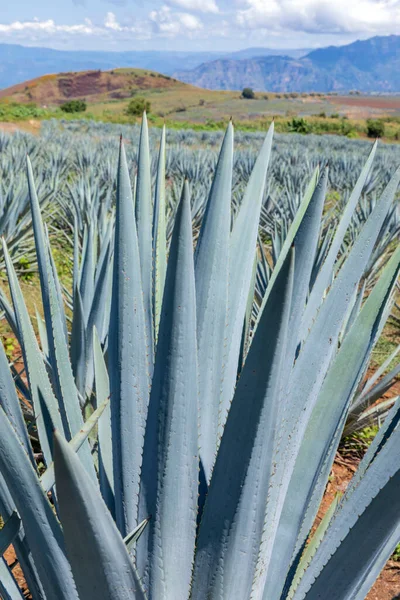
x: 370, y: 66
x: 20, y: 63
x: 261, y: 51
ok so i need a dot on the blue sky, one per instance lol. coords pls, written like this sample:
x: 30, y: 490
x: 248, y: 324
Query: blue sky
x: 195, y: 24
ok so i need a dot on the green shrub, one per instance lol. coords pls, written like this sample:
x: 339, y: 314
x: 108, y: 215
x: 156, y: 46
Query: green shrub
x: 300, y: 125
x: 137, y: 106
x: 248, y: 93
x: 18, y: 112
x: 375, y: 128
x: 74, y: 106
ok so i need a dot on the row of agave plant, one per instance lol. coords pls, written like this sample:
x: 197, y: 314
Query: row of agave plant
x: 89, y: 204
x: 187, y: 436
x: 80, y: 190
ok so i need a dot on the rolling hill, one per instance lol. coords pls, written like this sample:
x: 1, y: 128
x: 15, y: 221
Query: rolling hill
x: 93, y: 86
x: 369, y: 66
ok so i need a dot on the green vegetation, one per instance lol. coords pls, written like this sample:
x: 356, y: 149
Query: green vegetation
x: 74, y: 106
x: 248, y: 93
x: 375, y: 128
x: 137, y: 106
x: 205, y: 110
x: 300, y: 125
x: 13, y: 111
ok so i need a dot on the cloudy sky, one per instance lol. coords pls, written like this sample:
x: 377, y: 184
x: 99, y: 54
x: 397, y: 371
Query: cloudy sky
x: 195, y: 24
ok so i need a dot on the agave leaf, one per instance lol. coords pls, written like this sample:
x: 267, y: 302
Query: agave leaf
x: 171, y: 440
x: 83, y: 254
x: 143, y: 213
x: 324, y: 277
x: 212, y: 274
x: 97, y: 316
x: 86, y: 287
x: 54, y: 316
x: 301, y: 504
x: 10, y: 403
x: 159, y: 236
x: 42, y: 334
x: 375, y: 414
x: 377, y: 391
x: 57, y: 286
x: 9, y: 314
x: 362, y: 535
x: 248, y: 315
x: 291, y: 234
x: 47, y: 479
x: 231, y: 530
x: 9, y: 531
x: 44, y: 402
x: 75, y: 268
x: 106, y: 475
x: 78, y: 343
x: 22, y: 551
x: 241, y: 257
x: 379, y: 372
x: 42, y: 530
x: 134, y: 535
x: 311, y: 366
x: 313, y: 544
x: 65, y: 377
x: 390, y: 424
x: 44, y: 266
x: 9, y: 589
x: 99, y: 559
x: 305, y: 243
x: 127, y: 357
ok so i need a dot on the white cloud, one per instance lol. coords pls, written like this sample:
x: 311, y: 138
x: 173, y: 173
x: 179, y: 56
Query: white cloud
x: 110, y: 22
x: 168, y: 23
x: 160, y: 23
x: 322, y: 16
x: 204, y: 6
x: 48, y: 26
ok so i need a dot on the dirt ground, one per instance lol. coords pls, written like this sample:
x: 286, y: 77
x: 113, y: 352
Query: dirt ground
x: 31, y: 126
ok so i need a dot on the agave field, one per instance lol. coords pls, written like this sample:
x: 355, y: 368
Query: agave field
x: 170, y: 427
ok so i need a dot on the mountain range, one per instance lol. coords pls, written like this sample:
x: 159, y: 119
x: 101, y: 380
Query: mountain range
x: 372, y: 65
x: 21, y: 63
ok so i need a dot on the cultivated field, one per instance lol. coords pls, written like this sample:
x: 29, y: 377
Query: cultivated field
x: 180, y: 105
x: 121, y: 325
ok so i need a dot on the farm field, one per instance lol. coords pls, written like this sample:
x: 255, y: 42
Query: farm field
x: 75, y: 170
x: 107, y: 95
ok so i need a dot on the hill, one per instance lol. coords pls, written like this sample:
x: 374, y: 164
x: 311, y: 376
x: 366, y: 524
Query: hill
x: 93, y: 86
x: 369, y: 66
x: 19, y: 63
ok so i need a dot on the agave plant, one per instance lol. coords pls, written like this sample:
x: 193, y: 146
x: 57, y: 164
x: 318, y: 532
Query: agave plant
x: 194, y: 464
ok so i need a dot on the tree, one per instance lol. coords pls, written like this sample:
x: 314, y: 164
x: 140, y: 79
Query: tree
x: 248, y: 93
x: 137, y: 106
x: 375, y: 128
x: 74, y: 106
